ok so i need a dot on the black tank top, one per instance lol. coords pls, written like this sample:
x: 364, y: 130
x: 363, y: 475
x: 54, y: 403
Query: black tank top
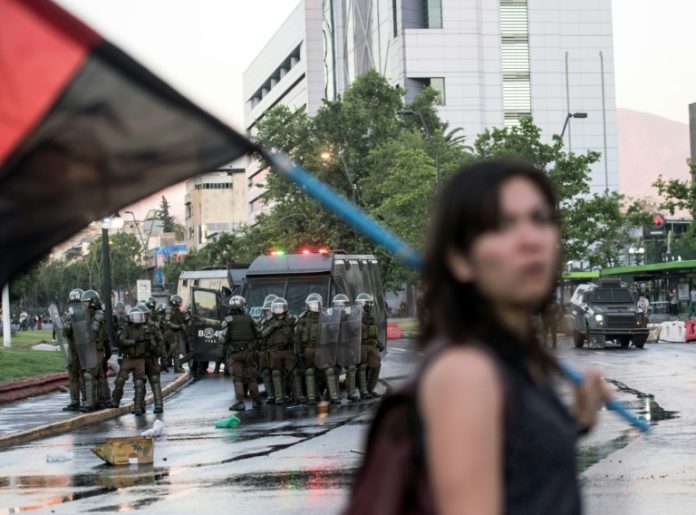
x: 540, y: 470
x: 540, y: 435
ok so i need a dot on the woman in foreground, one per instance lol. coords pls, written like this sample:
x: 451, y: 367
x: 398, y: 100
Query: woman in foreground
x: 497, y: 439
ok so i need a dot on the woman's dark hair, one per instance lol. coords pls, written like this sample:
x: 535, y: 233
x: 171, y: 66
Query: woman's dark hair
x: 469, y: 206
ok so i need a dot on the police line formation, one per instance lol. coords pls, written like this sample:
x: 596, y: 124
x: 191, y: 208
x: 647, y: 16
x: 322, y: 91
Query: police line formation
x: 299, y: 359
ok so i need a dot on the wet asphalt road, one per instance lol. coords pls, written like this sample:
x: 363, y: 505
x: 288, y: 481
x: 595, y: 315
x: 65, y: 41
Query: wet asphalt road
x: 299, y: 460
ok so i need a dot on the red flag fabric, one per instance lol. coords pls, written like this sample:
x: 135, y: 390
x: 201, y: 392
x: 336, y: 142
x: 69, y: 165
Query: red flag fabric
x: 85, y: 130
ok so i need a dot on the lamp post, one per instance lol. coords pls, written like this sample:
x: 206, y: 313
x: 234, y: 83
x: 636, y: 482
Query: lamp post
x: 565, y: 125
x: 411, y: 112
x: 137, y: 228
x: 113, y: 222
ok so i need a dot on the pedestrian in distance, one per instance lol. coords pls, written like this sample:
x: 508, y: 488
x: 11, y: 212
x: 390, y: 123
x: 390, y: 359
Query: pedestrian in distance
x: 643, y: 304
x: 489, y: 432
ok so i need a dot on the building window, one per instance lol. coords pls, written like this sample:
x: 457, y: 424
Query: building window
x: 394, y: 18
x: 437, y: 83
x: 432, y: 14
x: 514, y: 50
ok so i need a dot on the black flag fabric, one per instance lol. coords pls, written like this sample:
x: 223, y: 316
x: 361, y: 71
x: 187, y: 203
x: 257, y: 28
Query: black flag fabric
x: 85, y: 130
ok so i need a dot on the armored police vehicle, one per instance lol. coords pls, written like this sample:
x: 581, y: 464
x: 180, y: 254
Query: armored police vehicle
x: 607, y: 311
x: 294, y: 276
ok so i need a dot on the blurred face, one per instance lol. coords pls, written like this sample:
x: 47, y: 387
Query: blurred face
x: 515, y: 264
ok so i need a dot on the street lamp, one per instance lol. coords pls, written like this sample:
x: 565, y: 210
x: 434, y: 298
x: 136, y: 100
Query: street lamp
x: 411, y: 112
x: 109, y: 222
x: 568, y: 117
x: 137, y: 228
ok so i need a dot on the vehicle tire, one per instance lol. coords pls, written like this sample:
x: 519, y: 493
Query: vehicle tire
x: 624, y: 341
x: 578, y: 339
x: 639, y: 341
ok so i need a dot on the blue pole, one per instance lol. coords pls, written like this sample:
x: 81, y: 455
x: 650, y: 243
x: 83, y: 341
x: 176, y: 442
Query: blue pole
x: 333, y: 201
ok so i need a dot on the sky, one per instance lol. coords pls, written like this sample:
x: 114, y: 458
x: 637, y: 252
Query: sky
x: 202, y: 47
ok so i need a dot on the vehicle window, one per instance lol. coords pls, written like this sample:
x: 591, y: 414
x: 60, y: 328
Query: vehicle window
x: 300, y: 287
x: 601, y: 295
x: 258, y: 289
x: 623, y: 296
x: 205, y: 304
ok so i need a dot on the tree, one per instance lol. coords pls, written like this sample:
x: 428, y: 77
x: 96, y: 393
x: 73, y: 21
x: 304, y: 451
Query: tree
x: 595, y: 227
x: 679, y: 195
x: 167, y: 220
x: 357, y: 142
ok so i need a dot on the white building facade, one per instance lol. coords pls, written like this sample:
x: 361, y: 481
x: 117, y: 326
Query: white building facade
x: 493, y: 61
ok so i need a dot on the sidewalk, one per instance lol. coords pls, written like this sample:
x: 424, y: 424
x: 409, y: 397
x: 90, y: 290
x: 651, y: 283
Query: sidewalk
x: 43, y: 414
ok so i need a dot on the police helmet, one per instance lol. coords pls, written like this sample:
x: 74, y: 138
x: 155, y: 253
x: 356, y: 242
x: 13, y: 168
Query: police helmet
x: 176, y: 300
x: 237, y: 302
x: 136, y: 315
x: 151, y: 303
x: 142, y: 306
x: 75, y: 295
x: 340, y: 301
x: 119, y: 307
x: 161, y: 308
x: 314, y: 302
x: 270, y: 298
x: 92, y: 298
x: 364, y: 299
x: 279, y: 306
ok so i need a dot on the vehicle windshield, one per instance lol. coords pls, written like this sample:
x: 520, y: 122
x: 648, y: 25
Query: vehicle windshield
x: 612, y: 295
x: 294, y: 289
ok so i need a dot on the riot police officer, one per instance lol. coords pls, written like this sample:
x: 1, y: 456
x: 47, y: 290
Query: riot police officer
x: 306, y: 336
x: 120, y: 317
x: 264, y: 353
x: 96, y: 387
x: 175, y: 325
x: 279, y: 334
x: 153, y: 353
x: 133, y: 342
x: 74, y: 369
x: 341, y: 302
x: 370, y: 347
x: 238, y: 337
x: 158, y: 317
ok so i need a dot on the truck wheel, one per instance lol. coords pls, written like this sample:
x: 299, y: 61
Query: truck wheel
x: 578, y: 339
x: 624, y: 341
x: 639, y: 341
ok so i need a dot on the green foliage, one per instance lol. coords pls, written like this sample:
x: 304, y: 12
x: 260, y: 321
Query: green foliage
x: 163, y: 214
x: 679, y: 195
x: 595, y: 227
x: 358, y: 145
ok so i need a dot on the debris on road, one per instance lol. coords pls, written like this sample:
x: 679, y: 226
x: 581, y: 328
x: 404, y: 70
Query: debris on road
x: 227, y: 423
x: 155, y: 431
x: 126, y: 450
x: 58, y: 456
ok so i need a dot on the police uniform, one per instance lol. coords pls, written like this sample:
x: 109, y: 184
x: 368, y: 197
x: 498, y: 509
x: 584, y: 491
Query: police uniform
x: 280, y: 334
x: 153, y: 353
x: 370, y: 359
x: 238, y: 337
x: 175, y: 324
x: 306, y: 337
x: 133, y: 343
x: 74, y: 369
x: 264, y: 359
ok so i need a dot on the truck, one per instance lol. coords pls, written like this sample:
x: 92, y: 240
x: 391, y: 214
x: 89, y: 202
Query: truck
x: 292, y: 276
x: 607, y: 310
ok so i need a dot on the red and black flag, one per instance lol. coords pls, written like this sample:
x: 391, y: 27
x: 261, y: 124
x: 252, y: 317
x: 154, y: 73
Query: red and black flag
x: 85, y: 130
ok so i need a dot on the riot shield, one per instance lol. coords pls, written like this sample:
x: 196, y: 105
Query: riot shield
x: 350, y: 337
x: 60, y: 337
x: 81, y: 324
x: 327, y: 344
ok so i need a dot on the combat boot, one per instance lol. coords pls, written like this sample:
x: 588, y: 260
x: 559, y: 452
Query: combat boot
x: 139, y: 401
x: 238, y: 406
x: 239, y: 396
x: 279, y: 387
x: 362, y: 380
x: 268, y: 385
x: 331, y: 385
x: 90, y: 394
x: 72, y: 407
x: 157, y: 394
x: 350, y: 384
x: 310, y: 384
x: 372, y: 378
x: 297, y: 388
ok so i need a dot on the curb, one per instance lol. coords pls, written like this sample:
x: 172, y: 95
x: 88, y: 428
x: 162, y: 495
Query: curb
x: 70, y: 424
